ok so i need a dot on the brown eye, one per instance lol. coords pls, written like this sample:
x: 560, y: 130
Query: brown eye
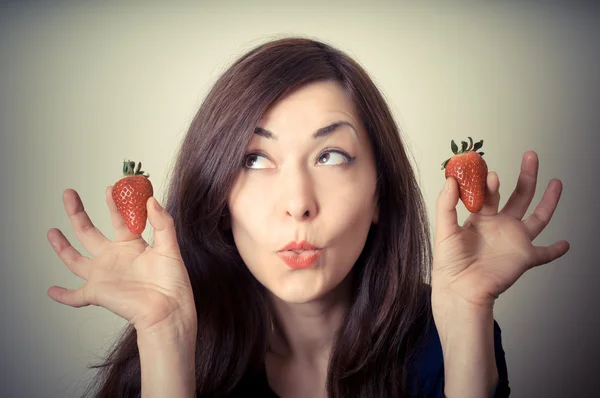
x: 324, y: 157
x: 329, y: 158
x: 251, y: 161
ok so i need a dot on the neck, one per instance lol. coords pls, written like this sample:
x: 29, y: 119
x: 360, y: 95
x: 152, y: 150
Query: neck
x: 305, y: 332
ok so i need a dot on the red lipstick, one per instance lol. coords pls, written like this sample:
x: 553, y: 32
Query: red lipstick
x: 304, y: 245
x: 298, y: 255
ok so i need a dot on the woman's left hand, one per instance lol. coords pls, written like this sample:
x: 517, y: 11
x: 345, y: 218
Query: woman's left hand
x: 480, y: 260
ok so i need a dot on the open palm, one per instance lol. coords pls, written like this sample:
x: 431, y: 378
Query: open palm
x: 483, y: 258
x: 143, y: 284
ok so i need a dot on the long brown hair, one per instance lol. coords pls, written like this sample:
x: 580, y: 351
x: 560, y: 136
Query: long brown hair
x: 389, y: 310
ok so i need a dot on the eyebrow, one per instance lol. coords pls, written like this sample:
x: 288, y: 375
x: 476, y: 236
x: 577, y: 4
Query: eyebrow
x: 322, y: 132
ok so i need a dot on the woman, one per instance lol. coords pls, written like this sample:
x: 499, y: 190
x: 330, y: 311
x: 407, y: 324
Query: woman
x: 293, y: 255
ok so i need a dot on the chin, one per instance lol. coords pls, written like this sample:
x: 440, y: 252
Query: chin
x: 296, y: 294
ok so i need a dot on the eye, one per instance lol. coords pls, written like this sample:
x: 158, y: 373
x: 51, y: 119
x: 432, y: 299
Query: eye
x: 336, y: 156
x: 257, y: 161
x: 252, y: 159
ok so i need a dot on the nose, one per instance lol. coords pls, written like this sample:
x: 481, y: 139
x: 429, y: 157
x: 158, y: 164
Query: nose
x: 298, y: 196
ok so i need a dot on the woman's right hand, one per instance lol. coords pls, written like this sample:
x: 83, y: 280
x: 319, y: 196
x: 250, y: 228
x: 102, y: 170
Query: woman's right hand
x: 148, y: 286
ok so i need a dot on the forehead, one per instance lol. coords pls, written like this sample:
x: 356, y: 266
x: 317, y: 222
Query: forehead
x: 311, y: 104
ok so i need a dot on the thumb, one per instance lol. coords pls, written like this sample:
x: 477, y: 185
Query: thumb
x: 446, y: 218
x: 165, y: 238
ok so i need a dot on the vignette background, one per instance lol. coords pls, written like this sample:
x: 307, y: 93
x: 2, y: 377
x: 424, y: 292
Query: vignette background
x: 84, y: 85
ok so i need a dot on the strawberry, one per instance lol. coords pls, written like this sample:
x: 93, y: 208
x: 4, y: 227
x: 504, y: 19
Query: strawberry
x: 470, y: 171
x: 130, y: 194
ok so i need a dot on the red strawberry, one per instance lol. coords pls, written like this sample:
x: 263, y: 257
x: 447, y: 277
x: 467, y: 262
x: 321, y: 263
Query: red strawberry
x: 130, y: 194
x: 470, y: 171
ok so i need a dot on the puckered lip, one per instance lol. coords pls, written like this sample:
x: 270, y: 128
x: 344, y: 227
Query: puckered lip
x: 303, y: 245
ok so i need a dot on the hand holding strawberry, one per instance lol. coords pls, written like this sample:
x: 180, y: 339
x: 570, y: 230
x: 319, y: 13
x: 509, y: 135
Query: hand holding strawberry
x: 148, y: 286
x: 478, y: 261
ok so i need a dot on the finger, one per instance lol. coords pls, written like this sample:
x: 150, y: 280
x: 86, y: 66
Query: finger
x: 122, y: 232
x: 521, y: 198
x: 90, y: 237
x: 77, y: 263
x: 546, y: 254
x: 73, y: 298
x: 492, y: 195
x: 165, y: 237
x: 543, y: 212
x: 447, y: 219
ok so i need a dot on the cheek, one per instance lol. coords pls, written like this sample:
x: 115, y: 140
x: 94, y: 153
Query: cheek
x: 248, y: 218
x: 348, y: 204
x: 347, y: 214
x: 348, y: 223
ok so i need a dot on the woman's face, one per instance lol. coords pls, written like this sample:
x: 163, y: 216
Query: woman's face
x: 296, y: 186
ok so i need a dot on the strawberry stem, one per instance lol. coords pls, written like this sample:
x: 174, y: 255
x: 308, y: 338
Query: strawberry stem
x: 470, y: 147
x: 129, y: 169
x: 453, y: 147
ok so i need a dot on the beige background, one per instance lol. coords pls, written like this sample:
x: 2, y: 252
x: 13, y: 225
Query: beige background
x: 84, y: 86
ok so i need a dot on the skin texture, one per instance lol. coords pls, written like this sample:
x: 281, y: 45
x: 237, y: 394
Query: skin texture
x: 296, y: 191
